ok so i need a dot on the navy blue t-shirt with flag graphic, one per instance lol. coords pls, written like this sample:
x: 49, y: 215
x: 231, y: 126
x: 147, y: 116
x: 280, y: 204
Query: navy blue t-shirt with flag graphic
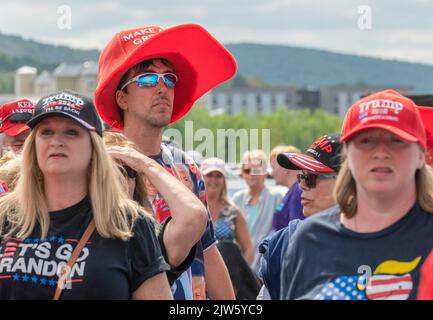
x: 183, y: 167
x: 326, y: 261
x: 105, y: 268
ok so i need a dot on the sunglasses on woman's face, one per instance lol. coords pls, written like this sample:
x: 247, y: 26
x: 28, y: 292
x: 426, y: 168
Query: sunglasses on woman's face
x: 151, y: 79
x: 128, y: 172
x: 310, y: 179
x: 253, y: 171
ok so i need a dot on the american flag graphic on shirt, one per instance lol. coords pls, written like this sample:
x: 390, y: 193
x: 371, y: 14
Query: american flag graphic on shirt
x: 389, y: 287
x: 342, y: 288
x: 390, y: 281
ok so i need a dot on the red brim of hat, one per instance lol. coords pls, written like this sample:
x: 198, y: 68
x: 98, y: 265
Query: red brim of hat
x: 398, y: 132
x: 199, y: 60
x: 15, y: 129
x: 296, y: 161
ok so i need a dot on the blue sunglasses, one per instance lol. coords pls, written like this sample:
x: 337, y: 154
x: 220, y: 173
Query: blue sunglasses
x: 151, y: 79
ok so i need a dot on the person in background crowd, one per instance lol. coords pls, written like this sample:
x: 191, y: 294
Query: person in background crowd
x: 290, y: 207
x: 13, y: 128
x: 231, y: 230
x: 68, y: 197
x: 320, y: 165
x: 373, y: 244
x: 149, y: 78
x: 228, y: 221
x: 257, y: 202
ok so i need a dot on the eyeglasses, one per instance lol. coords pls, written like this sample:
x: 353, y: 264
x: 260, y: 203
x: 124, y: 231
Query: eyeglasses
x: 18, y: 117
x: 310, y: 179
x: 128, y: 172
x: 254, y: 171
x: 151, y: 79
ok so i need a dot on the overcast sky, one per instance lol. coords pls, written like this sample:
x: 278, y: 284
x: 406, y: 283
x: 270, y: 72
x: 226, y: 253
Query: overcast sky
x: 400, y: 30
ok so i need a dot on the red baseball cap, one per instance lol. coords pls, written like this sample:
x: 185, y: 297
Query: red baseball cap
x: 199, y: 60
x: 387, y: 110
x: 14, y: 115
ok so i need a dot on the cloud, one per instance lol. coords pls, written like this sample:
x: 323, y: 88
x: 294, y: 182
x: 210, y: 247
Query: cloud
x: 402, y: 32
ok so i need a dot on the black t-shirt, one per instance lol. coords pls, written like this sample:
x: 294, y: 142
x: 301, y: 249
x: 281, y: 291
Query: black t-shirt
x: 105, y: 269
x: 327, y: 261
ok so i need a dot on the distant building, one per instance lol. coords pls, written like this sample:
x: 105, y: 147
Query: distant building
x: 334, y: 99
x: 44, y: 84
x: 308, y: 98
x: 24, y: 81
x: 337, y: 99
x: 81, y: 78
x: 78, y: 77
x: 258, y: 100
x: 24, y: 85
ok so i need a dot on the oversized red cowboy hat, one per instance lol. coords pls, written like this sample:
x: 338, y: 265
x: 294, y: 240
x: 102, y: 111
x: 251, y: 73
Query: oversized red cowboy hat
x: 199, y: 60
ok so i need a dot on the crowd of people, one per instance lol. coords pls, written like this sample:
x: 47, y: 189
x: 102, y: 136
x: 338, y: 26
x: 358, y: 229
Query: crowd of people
x: 95, y: 204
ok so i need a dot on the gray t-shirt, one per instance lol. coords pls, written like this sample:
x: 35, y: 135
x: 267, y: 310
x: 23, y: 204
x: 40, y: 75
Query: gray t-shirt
x: 327, y: 261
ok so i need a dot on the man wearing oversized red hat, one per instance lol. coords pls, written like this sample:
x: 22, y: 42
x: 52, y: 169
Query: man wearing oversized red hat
x: 149, y: 78
x: 13, y: 128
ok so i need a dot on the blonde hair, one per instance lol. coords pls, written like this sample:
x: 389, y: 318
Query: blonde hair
x: 345, y: 189
x: 112, y: 138
x: 283, y: 149
x: 255, y: 154
x: 10, y: 168
x: 114, y: 213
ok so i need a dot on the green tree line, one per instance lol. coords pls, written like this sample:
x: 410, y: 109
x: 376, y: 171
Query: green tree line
x: 297, y: 127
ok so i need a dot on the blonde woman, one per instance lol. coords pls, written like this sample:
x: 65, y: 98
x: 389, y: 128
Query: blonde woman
x: 228, y: 221
x: 68, y: 183
x: 231, y: 230
x: 373, y: 245
x: 257, y: 202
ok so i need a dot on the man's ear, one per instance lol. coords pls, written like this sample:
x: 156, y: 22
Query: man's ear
x: 121, y: 100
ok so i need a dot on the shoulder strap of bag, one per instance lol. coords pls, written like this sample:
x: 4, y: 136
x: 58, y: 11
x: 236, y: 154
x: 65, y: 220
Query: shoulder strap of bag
x: 81, y: 244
